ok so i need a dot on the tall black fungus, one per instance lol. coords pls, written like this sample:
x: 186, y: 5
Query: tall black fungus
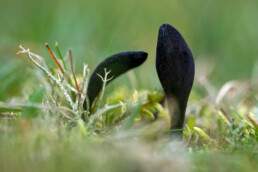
x: 175, y: 68
x: 118, y: 64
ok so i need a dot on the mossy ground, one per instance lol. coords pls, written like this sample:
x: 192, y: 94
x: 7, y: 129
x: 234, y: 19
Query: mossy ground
x: 223, y: 38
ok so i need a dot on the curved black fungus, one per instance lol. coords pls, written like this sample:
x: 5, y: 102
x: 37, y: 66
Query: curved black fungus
x: 118, y: 64
x: 175, y: 68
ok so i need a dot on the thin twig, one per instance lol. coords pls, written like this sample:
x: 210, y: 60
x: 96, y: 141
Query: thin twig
x: 68, y: 110
x: 86, y: 74
x: 104, y: 80
x: 46, y: 72
x: 78, y: 99
x: 101, y: 111
x: 254, y: 121
x: 190, y: 139
x: 54, y: 59
x: 71, y: 88
x: 60, y: 55
x: 74, y: 76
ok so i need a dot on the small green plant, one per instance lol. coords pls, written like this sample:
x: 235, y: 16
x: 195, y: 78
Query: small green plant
x: 75, y: 93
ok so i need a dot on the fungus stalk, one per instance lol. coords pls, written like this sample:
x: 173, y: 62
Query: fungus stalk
x: 119, y: 64
x: 175, y: 68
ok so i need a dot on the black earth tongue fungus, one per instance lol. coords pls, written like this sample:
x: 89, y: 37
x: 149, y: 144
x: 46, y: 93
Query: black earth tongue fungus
x: 175, y: 68
x: 118, y: 64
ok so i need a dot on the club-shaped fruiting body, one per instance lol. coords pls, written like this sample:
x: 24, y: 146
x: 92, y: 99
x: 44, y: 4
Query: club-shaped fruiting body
x: 175, y: 68
x: 118, y: 64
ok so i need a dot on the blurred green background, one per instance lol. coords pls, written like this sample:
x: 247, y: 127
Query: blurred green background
x: 223, y: 34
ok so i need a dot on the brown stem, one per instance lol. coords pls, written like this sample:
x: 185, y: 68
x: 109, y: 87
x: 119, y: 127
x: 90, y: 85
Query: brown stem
x: 189, y: 140
x: 54, y: 59
x: 254, y: 121
x: 74, y: 76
